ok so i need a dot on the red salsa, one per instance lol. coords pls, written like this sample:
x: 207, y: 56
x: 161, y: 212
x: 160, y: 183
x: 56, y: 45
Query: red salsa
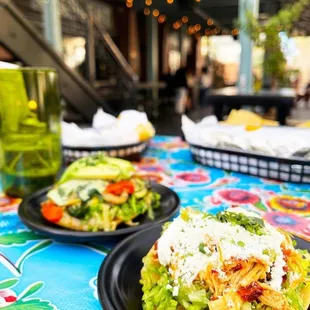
x: 251, y: 292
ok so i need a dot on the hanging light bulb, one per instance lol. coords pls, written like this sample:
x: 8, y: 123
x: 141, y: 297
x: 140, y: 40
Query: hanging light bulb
x: 184, y: 19
x: 197, y: 27
x: 210, y: 22
x: 155, y: 13
x: 161, y: 19
x: 147, y: 11
x: 170, y: 1
x: 148, y: 2
x: 129, y: 4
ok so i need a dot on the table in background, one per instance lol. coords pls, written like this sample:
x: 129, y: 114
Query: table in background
x: 281, y: 99
x: 47, y: 275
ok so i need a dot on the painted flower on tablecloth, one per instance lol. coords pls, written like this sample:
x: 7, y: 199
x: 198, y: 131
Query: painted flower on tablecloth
x: 10, y: 301
x: 148, y: 161
x: 237, y: 196
x: 8, y: 203
x: 193, y: 177
x: 7, y: 297
x: 152, y: 168
x: 286, y: 221
x: 290, y: 204
x: 158, y: 177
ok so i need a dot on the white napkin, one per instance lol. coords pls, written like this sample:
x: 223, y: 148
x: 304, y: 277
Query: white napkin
x: 107, y: 130
x: 274, y: 141
x: 103, y: 120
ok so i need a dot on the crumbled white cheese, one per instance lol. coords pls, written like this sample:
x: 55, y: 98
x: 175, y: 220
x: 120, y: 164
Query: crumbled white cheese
x: 230, y: 303
x: 293, y: 276
x: 175, y: 291
x: 183, y: 245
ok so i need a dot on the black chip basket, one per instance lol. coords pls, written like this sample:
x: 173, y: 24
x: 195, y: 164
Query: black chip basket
x: 131, y: 152
x: 282, y: 169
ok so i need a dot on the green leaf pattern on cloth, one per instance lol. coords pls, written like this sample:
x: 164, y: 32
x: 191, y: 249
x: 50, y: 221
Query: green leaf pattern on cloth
x: 8, y: 283
x: 18, y: 238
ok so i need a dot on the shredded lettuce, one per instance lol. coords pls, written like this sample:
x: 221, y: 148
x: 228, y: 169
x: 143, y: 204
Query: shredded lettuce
x: 193, y: 297
x: 155, y: 286
x: 294, y: 299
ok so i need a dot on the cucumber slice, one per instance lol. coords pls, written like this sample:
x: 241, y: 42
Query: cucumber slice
x: 140, y: 194
x: 139, y: 185
x: 101, y: 172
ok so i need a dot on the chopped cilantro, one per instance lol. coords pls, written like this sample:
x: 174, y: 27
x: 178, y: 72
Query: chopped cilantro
x: 241, y: 244
x: 252, y: 224
x: 271, y: 253
x: 202, y: 248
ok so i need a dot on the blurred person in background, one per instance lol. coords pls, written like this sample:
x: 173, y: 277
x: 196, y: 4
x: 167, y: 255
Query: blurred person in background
x: 205, y: 84
x: 182, y: 91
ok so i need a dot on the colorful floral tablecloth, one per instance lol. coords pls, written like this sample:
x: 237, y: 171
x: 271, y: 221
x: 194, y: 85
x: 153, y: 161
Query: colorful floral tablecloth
x: 38, y: 273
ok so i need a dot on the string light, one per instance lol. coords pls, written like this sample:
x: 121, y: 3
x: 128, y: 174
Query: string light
x: 148, y: 2
x: 129, y: 4
x: 147, y: 11
x: 161, y: 19
x: 156, y: 13
x: 130, y: 1
x: 170, y: 1
x: 210, y: 22
x: 191, y: 29
x: 235, y: 32
x: 197, y: 27
x: 177, y: 24
x: 197, y: 0
x: 184, y: 19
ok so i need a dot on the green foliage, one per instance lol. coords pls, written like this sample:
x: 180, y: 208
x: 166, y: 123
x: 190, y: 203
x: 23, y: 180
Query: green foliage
x: 284, y: 20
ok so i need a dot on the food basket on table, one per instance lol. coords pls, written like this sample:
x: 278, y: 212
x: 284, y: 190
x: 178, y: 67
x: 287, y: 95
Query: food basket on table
x: 125, y: 137
x: 280, y: 153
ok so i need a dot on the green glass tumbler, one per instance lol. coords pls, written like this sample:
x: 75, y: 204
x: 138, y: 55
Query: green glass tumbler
x: 30, y: 138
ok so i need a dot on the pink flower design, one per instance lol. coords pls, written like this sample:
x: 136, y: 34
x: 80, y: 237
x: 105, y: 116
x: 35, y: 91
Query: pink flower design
x: 7, y: 297
x: 238, y: 196
x: 287, y: 221
x: 193, y: 177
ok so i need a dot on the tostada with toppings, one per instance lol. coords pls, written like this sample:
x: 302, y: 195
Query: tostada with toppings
x: 98, y: 193
x: 233, y: 261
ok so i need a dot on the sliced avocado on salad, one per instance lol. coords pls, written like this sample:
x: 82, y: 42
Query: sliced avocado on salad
x: 98, y: 166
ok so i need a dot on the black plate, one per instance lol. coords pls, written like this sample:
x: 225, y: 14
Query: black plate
x: 119, y: 275
x: 29, y: 213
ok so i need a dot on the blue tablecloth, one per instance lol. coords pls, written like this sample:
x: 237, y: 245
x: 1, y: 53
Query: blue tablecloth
x: 37, y: 273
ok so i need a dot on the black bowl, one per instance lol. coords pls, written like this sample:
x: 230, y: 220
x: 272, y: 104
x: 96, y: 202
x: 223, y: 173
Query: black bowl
x: 29, y: 213
x: 119, y: 275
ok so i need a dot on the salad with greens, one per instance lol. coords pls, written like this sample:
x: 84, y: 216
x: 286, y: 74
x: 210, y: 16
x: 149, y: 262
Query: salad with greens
x: 98, y: 193
x: 233, y: 261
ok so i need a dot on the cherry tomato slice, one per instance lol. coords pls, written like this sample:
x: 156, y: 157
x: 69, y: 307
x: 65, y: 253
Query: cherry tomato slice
x: 51, y: 212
